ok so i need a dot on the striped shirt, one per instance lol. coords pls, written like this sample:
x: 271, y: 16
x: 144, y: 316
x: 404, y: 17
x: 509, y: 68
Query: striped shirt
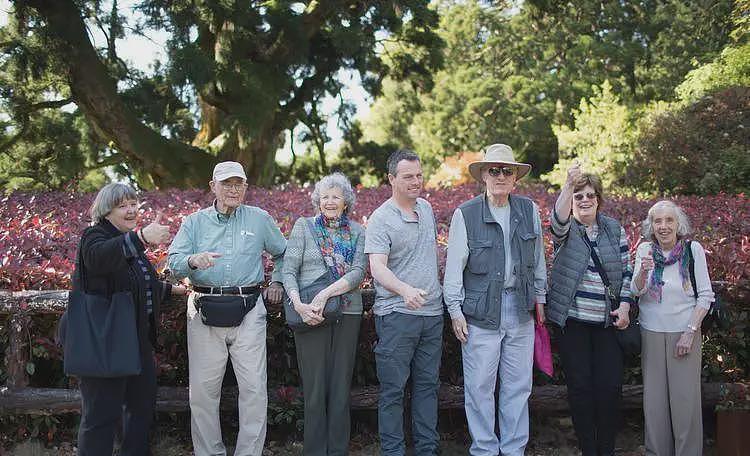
x: 130, y: 252
x: 589, y: 304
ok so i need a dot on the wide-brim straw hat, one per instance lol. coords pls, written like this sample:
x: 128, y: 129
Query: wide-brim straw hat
x: 498, y: 154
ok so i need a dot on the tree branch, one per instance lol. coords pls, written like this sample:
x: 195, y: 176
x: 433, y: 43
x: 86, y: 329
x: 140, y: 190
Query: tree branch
x: 160, y: 160
x: 48, y: 105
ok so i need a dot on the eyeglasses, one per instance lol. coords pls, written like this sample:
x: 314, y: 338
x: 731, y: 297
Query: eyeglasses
x: 580, y: 196
x: 235, y: 187
x: 506, y: 171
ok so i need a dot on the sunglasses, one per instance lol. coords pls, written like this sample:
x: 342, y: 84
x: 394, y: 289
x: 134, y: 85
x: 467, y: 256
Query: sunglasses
x: 580, y: 196
x: 506, y: 171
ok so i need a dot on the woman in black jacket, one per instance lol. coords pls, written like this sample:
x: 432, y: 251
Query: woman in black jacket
x: 112, y: 252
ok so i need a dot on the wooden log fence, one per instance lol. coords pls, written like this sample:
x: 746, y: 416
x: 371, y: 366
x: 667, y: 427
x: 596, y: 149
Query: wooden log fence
x: 547, y: 399
x: 17, y: 398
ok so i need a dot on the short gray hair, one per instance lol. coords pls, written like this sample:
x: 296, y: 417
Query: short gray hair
x: 683, y: 223
x: 109, y: 197
x: 335, y: 180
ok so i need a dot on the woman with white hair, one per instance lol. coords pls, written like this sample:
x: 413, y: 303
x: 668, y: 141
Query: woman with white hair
x: 328, y: 244
x: 112, y: 260
x: 672, y: 306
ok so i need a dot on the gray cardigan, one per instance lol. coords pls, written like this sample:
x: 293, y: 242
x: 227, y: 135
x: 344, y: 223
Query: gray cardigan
x: 303, y: 262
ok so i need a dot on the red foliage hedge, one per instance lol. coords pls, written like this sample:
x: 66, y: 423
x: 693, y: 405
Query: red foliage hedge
x: 39, y: 232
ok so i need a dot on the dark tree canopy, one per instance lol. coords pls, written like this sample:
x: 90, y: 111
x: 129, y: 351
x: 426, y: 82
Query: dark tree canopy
x: 238, y: 74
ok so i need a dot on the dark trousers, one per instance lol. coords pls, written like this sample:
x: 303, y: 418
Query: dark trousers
x: 593, y: 365
x: 326, y: 357
x: 408, y: 346
x: 107, y: 400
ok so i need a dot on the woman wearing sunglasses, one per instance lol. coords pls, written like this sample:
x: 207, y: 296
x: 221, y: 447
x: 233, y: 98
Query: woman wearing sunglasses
x: 591, y: 249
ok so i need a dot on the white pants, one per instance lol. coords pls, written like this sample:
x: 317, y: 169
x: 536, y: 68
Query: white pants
x: 507, y: 352
x: 208, y: 350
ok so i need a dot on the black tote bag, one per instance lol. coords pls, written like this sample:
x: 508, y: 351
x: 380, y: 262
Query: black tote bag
x: 100, y: 333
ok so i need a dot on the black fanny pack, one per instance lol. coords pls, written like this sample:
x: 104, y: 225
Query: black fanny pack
x: 225, y: 311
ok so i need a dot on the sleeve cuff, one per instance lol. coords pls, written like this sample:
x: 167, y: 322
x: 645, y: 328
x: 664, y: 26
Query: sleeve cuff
x: 456, y: 312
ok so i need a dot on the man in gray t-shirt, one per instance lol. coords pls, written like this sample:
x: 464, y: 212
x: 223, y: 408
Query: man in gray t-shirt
x: 409, y: 242
x: 401, y: 241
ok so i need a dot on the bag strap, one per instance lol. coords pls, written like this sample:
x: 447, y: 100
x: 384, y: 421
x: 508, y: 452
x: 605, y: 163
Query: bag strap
x: 691, y: 268
x: 597, y: 262
x: 81, y: 267
x: 598, y: 266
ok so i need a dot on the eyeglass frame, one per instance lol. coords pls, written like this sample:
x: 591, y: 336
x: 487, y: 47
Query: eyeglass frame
x: 236, y: 187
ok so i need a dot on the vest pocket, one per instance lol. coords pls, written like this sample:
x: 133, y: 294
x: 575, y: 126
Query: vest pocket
x: 475, y: 304
x: 480, y: 255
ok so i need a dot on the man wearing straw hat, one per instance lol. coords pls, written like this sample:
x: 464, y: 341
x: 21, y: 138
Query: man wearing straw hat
x: 495, y: 277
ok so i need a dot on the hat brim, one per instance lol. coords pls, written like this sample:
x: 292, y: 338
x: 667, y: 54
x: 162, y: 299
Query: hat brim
x: 229, y: 175
x: 475, y: 169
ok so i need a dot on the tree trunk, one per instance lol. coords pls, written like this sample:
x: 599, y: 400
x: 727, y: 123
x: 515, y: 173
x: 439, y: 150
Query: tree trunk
x: 158, y: 161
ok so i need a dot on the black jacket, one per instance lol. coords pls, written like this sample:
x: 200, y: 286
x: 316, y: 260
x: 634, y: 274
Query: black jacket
x: 111, y: 265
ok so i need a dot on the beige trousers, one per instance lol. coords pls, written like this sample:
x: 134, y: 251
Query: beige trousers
x: 671, y: 396
x: 208, y: 350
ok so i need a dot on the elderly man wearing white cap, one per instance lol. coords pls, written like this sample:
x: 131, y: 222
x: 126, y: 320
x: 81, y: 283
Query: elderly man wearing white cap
x: 494, y: 278
x: 219, y: 249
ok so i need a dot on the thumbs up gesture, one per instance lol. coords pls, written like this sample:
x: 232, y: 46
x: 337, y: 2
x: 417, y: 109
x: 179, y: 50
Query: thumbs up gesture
x: 156, y: 233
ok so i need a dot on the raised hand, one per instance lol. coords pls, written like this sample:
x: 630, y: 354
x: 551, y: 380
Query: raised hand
x: 155, y: 233
x: 647, y: 263
x: 574, y: 172
x: 203, y: 260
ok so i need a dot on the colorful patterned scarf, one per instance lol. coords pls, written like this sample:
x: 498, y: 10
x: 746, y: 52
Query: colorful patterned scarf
x: 334, y: 237
x: 676, y: 255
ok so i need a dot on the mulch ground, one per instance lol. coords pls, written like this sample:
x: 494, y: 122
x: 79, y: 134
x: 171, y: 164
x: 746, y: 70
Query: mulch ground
x: 550, y: 436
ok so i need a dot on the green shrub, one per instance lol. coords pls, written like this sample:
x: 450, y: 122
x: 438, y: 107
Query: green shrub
x: 703, y: 148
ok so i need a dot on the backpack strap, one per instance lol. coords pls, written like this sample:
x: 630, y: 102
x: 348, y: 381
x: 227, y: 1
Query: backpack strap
x: 691, y: 268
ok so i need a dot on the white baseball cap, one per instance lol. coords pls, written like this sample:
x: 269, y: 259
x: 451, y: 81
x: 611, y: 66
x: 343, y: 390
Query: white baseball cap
x: 227, y: 169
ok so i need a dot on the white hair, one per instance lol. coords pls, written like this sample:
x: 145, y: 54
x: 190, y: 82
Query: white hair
x: 335, y: 180
x: 108, y: 198
x: 683, y: 223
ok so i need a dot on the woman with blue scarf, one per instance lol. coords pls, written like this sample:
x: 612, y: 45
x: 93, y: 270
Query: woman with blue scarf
x: 672, y: 308
x: 329, y: 243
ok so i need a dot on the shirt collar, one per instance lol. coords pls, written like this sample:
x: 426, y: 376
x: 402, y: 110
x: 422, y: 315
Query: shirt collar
x: 222, y: 218
x: 398, y: 210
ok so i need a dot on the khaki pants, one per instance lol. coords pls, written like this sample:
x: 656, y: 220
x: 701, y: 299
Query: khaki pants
x: 208, y: 350
x: 671, y: 396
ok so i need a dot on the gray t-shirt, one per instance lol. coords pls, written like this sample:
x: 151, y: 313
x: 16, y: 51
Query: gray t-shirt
x: 411, y: 246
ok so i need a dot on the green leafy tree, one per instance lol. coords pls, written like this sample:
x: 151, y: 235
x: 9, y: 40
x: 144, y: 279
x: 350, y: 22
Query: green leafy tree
x: 251, y: 71
x: 732, y: 68
x: 601, y: 140
x: 513, y: 70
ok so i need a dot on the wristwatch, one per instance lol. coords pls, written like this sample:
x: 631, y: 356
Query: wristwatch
x: 692, y: 328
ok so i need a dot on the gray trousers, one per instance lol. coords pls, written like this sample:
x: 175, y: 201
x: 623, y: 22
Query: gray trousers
x: 408, y: 346
x: 326, y: 357
x: 671, y: 395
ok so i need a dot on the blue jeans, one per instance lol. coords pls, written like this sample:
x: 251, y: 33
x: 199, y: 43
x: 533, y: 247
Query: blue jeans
x: 408, y: 346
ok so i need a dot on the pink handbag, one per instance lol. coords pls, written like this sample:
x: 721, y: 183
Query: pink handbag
x: 542, y: 349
